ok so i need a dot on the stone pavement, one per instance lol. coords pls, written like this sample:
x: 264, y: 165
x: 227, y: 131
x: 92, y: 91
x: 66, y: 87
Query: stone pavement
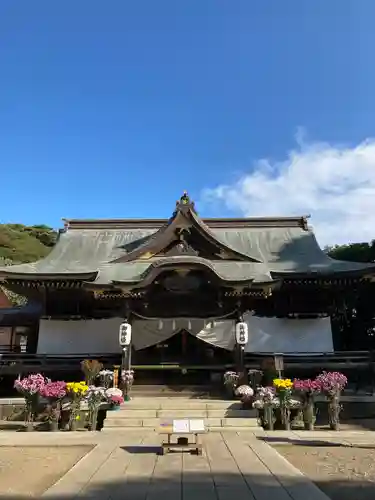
x: 234, y: 465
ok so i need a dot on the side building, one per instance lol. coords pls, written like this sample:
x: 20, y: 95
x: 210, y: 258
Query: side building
x: 183, y: 283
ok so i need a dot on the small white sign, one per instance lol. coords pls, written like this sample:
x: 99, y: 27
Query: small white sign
x: 181, y: 426
x: 125, y: 334
x: 197, y: 426
x: 242, y: 333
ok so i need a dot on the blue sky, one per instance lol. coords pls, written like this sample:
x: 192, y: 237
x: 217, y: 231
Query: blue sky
x: 111, y: 109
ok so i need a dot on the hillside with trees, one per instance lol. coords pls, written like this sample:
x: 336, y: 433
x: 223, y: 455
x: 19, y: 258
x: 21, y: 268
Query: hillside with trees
x: 19, y: 244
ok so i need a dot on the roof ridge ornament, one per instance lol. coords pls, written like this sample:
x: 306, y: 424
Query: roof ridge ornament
x: 184, y: 204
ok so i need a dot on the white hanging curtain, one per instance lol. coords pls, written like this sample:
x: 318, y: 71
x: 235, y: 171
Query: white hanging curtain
x: 150, y: 332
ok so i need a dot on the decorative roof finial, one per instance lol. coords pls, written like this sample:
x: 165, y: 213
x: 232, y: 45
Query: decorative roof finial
x: 185, y: 200
x: 184, y: 203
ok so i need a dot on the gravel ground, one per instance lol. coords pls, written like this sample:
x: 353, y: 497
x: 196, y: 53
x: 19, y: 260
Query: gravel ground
x: 342, y: 472
x: 38, y: 466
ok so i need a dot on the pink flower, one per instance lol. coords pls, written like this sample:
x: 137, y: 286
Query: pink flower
x: 54, y: 390
x: 116, y: 400
x: 30, y: 385
x: 307, y: 385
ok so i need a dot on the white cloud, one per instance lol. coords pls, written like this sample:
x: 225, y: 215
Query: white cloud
x: 334, y: 184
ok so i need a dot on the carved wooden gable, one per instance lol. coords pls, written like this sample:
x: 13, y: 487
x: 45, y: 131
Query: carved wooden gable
x: 184, y: 234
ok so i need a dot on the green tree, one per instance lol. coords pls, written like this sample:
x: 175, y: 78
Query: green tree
x: 20, y: 243
x: 354, y: 252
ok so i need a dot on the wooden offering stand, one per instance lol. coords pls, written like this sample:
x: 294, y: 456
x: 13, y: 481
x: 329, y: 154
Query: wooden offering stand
x: 178, y: 433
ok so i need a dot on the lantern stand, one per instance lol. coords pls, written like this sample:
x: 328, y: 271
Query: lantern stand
x: 125, y: 335
x: 242, y: 337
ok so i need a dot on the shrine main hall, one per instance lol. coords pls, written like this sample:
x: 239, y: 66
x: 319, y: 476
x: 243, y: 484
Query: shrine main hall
x: 183, y: 283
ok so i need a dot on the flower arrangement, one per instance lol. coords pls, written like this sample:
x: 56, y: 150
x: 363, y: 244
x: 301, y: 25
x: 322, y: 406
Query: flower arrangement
x: 231, y: 379
x: 127, y: 380
x: 113, y: 391
x: 332, y: 384
x: 244, y: 390
x: 264, y: 396
x: 265, y: 403
x: 30, y: 385
x: 54, y: 392
x: 75, y: 392
x: 106, y: 378
x: 307, y: 386
x: 283, y: 384
x: 127, y: 376
x: 114, y: 397
x: 94, y: 396
x: 117, y: 400
x: 308, y: 389
x: 246, y: 393
x: 30, y: 388
x: 284, y: 388
x: 91, y: 369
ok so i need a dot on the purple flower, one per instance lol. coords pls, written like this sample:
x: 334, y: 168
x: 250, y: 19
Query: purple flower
x: 332, y: 382
x: 266, y: 394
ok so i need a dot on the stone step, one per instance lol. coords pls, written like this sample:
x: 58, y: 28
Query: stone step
x: 179, y: 404
x: 130, y: 413
x: 155, y: 423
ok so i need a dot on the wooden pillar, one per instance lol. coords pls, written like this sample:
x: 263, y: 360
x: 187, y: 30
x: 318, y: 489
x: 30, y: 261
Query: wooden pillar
x: 126, y: 357
x: 240, y: 353
x: 240, y: 364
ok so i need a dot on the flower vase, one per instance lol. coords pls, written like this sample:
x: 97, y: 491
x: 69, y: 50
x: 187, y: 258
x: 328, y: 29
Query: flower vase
x: 93, y: 423
x: 247, y: 404
x: 334, y: 409
x: 229, y: 391
x: 114, y: 407
x: 53, y: 425
x: 127, y: 389
x: 268, y: 417
x: 95, y: 419
x: 73, y: 425
x: 309, y: 414
x: 29, y: 417
x: 74, y: 416
x: 285, y: 417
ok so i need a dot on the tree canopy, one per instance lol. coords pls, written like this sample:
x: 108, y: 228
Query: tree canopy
x: 354, y: 252
x: 19, y: 243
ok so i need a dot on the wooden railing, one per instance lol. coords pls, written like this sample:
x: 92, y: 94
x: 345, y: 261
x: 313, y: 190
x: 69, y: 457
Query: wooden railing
x: 11, y: 362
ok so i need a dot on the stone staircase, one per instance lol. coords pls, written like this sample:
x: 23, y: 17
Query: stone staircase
x: 150, y: 413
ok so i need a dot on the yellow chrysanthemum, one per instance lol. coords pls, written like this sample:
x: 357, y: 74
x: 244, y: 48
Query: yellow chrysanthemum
x: 77, y: 387
x: 283, y: 383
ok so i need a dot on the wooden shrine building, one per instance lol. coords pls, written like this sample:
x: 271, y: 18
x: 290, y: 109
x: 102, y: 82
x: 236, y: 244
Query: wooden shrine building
x: 182, y: 283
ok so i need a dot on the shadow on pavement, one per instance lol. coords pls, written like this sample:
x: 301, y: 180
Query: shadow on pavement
x: 218, y: 486
x: 142, y: 450
x: 324, y: 443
